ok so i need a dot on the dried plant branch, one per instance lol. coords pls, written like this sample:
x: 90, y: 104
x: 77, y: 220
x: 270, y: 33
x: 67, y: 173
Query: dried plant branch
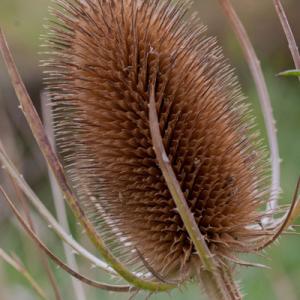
x: 227, y: 277
x: 264, y: 97
x: 47, y: 216
x: 288, y: 33
x: 295, y: 212
x: 55, y: 166
x: 231, y: 289
x: 294, y: 215
x: 22, y: 270
x: 291, y: 215
x: 50, y: 275
x: 58, y: 261
x: 219, y: 289
x: 174, y: 187
x: 59, y: 203
x: 6, y: 127
x: 287, y: 219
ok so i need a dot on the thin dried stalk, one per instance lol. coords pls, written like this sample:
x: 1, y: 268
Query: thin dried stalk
x: 43, y: 258
x: 264, y: 98
x: 59, y: 203
x: 22, y: 270
x: 9, y: 134
x: 230, y: 284
x: 219, y: 289
x: 56, y: 260
x: 47, y: 216
x: 284, y: 222
x: 288, y: 32
x: 280, y: 225
x: 295, y: 214
x: 55, y: 166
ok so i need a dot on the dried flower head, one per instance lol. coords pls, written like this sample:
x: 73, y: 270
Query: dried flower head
x: 106, y: 55
x: 162, y: 164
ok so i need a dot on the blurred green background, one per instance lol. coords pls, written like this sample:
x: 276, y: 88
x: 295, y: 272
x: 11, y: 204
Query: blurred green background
x: 23, y: 20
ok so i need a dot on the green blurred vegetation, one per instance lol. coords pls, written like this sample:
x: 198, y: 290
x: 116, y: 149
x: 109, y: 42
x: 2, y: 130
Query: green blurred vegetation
x: 22, y: 21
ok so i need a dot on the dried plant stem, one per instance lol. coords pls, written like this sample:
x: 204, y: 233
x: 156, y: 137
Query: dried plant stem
x: 288, y: 32
x: 264, y: 97
x: 21, y: 269
x: 60, y: 263
x: 294, y: 215
x: 47, y: 216
x: 286, y: 221
x: 55, y: 166
x: 207, y: 285
x: 43, y: 258
x: 59, y: 203
x: 174, y: 188
x: 218, y: 288
x: 7, y: 129
x: 230, y: 283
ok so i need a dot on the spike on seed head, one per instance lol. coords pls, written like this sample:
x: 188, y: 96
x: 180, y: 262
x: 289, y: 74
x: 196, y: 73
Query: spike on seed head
x: 105, y: 56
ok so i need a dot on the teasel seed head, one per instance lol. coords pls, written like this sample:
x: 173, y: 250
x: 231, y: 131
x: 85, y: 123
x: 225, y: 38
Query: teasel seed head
x: 104, y: 56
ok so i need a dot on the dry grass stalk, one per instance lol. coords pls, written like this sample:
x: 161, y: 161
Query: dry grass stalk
x: 58, y: 261
x: 43, y: 258
x: 22, y: 270
x: 46, y: 215
x: 288, y: 33
x: 264, y: 98
x: 59, y: 204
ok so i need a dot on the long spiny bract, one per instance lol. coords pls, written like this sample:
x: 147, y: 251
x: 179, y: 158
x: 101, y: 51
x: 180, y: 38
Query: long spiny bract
x: 103, y: 60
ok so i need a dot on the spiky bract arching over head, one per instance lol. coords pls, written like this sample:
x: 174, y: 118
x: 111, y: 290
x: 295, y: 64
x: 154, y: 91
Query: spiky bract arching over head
x: 105, y: 53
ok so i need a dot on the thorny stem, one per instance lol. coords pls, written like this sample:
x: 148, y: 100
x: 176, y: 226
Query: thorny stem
x: 219, y: 288
x: 59, y: 202
x: 264, y: 98
x: 56, y: 167
x: 60, y: 263
x: 226, y: 276
x: 234, y: 290
x: 288, y: 33
x: 21, y: 269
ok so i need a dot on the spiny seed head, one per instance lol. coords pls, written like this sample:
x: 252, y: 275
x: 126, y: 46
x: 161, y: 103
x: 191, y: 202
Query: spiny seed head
x: 104, y: 56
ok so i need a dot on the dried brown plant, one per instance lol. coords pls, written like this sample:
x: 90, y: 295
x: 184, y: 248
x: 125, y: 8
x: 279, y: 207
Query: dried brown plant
x: 106, y: 58
x: 161, y: 159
